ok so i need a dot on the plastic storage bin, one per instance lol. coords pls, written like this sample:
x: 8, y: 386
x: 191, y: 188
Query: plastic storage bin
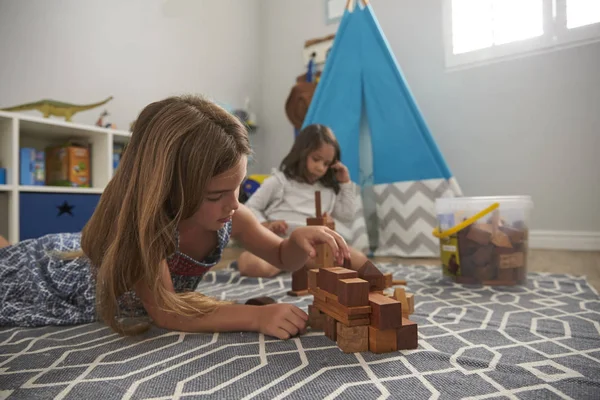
x: 484, y: 240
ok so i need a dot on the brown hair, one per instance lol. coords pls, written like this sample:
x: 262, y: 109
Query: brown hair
x: 308, y: 140
x: 176, y: 147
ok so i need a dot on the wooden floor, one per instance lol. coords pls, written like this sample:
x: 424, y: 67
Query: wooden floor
x: 572, y: 262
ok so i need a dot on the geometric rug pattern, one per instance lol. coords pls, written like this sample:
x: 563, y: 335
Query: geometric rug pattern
x: 539, y: 340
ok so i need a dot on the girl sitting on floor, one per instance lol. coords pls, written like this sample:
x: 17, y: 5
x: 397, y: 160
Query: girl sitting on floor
x: 161, y: 223
x: 287, y: 198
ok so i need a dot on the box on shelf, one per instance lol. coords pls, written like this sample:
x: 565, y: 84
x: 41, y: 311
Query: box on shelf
x: 68, y: 165
x: 117, y: 152
x: 40, y: 168
x: 2, y: 176
x: 492, y: 250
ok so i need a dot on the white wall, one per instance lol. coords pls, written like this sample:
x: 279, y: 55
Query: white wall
x: 138, y: 51
x: 540, y: 111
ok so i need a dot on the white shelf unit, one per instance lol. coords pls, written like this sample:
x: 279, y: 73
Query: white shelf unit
x: 18, y: 130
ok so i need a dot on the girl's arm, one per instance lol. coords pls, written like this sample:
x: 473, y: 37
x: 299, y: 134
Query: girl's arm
x: 344, y: 208
x: 262, y: 197
x: 279, y: 320
x: 288, y: 254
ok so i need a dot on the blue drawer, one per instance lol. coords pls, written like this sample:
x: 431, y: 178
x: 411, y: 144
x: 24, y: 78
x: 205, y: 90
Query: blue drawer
x: 43, y: 213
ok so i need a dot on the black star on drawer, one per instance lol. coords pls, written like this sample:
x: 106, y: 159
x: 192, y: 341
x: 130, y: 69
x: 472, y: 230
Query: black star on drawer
x: 65, y: 208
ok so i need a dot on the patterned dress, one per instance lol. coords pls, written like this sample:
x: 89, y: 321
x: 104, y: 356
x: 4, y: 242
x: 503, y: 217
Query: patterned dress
x: 37, y: 288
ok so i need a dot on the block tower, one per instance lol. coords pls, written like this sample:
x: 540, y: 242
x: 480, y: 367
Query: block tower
x: 351, y: 306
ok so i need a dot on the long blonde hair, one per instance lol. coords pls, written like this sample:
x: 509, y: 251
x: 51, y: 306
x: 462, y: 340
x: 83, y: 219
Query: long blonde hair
x: 177, y: 146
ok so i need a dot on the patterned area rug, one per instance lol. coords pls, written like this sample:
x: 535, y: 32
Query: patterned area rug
x: 541, y: 340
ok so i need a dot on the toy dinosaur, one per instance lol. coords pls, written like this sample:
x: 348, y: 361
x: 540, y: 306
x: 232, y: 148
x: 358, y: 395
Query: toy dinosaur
x: 56, y: 108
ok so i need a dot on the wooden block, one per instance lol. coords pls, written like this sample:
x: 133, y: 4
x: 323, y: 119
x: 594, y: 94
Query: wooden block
x: 369, y: 272
x: 485, y: 273
x: 483, y: 255
x: 410, y: 308
x: 323, y: 295
x: 500, y: 239
x: 515, y: 235
x: 400, y: 294
x: 352, y: 320
x: 312, y: 278
x: 318, y: 293
x: 318, y: 204
x: 353, y: 292
x: 298, y: 293
x: 324, y: 257
x: 479, y: 234
x: 407, y: 336
x: 382, y: 341
x: 352, y: 331
x: 387, y: 312
x: 316, y: 319
x: 260, y: 301
x: 407, y: 301
x: 388, y: 281
x: 300, y: 279
x: 328, y: 278
x: 349, y: 311
x: 506, y: 274
x: 330, y: 327
x: 352, y: 339
x: 515, y: 260
x: 316, y: 221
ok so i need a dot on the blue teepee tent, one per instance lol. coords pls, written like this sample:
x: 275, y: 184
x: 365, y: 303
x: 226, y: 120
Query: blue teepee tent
x: 362, y: 95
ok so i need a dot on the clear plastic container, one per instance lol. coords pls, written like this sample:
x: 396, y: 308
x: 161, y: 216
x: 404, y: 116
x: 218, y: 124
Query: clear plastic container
x: 490, y: 248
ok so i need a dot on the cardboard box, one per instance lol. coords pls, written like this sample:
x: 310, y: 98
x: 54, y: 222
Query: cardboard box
x: 68, y: 165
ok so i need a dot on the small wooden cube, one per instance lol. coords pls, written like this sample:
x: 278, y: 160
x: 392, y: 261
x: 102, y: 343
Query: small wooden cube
x: 328, y: 278
x: 353, y: 292
x: 388, y: 279
x: 300, y: 280
x: 407, y: 335
x: 382, y: 341
x: 329, y: 327
x: 316, y: 319
x: 352, y: 339
x: 386, y: 312
x: 324, y: 258
x: 480, y: 234
x: 312, y: 278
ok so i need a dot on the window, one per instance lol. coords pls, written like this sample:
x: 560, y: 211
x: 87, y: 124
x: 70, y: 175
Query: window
x: 479, y: 31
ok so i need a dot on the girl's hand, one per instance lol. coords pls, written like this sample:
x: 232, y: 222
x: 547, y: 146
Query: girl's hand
x: 341, y: 172
x: 282, y: 321
x: 279, y: 227
x: 307, y: 237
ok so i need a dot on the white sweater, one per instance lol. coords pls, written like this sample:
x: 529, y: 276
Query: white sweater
x: 280, y: 198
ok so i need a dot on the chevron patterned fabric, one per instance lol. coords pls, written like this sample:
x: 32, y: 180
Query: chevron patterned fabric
x: 540, y: 340
x: 355, y: 231
x: 406, y: 216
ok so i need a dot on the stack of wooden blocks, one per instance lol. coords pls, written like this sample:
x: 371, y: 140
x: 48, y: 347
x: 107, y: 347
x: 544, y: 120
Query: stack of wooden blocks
x: 351, y: 307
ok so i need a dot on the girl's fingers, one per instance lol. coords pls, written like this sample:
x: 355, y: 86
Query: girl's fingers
x: 281, y: 333
x: 289, y: 327
x: 297, y: 311
x: 308, y: 248
x: 326, y: 237
x: 341, y: 243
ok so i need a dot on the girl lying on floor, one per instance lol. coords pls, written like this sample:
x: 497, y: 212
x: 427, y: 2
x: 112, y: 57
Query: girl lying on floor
x: 287, y: 198
x: 161, y: 223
